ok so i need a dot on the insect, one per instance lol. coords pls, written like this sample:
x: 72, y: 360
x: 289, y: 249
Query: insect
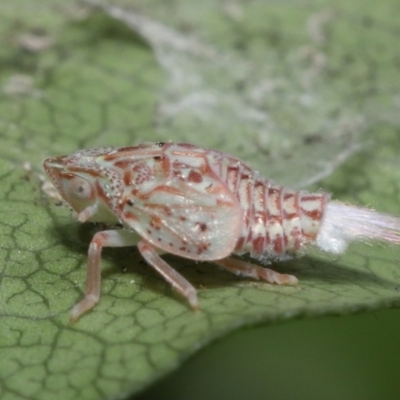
x: 204, y: 205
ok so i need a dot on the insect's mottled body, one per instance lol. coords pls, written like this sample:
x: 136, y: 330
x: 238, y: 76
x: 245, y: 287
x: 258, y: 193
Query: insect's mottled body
x: 196, y: 203
x: 276, y: 219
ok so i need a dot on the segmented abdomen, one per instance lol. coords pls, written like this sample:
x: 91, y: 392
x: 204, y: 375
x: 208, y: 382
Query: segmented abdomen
x: 277, y: 220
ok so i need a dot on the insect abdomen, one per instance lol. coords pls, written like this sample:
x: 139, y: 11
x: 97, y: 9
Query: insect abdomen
x: 277, y: 219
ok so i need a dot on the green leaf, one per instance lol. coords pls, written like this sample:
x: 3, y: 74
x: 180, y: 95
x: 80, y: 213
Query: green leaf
x: 294, y: 90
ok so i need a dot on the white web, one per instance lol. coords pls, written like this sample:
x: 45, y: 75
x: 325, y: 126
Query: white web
x: 278, y: 121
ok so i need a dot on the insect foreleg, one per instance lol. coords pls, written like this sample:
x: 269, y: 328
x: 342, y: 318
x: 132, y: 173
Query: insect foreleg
x: 112, y: 238
x: 247, y: 269
x: 177, y: 281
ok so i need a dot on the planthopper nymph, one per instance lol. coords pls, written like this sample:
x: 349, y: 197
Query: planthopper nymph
x: 203, y: 205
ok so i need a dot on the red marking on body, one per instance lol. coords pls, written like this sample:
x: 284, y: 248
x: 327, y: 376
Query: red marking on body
x: 201, y: 248
x: 167, y: 189
x: 279, y: 201
x: 272, y: 191
x: 267, y: 239
x: 277, y: 244
x: 116, y: 155
x: 100, y: 192
x: 273, y: 195
x: 135, y: 192
x: 287, y: 196
x: 165, y: 166
x: 315, y: 215
x: 195, y: 177
x: 156, y: 221
x: 232, y: 177
x: 239, y: 244
x: 250, y: 236
x: 310, y: 197
x: 249, y: 192
x: 67, y: 176
x: 288, y: 217
x: 122, y: 164
x: 142, y: 173
x: 259, y: 183
x: 99, y: 238
x: 155, y: 224
x: 130, y: 216
x: 289, y: 200
x: 127, y: 178
x: 202, y: 226
x: 274, y: 219
x: 296, y: 234
x: 167, y: 210
x: 258, y: 244
x: 91, y: 172
x: 285, y: 240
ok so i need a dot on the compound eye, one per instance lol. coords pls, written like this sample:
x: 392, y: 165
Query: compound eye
x: 80, y: 189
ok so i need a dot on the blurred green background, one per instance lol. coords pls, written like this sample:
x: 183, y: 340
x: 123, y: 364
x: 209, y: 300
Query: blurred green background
x: 349, y: 357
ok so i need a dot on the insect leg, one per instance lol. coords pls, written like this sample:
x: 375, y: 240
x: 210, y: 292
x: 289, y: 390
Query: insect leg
x: 247, y: 269
x: 112, y: 238
x: 177, y: 281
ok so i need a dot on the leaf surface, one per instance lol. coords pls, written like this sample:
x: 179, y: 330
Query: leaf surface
x: 294, y: 90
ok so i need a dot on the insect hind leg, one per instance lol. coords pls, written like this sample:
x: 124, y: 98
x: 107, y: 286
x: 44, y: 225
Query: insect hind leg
x: 177, y: 281
x: 243, y: 268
